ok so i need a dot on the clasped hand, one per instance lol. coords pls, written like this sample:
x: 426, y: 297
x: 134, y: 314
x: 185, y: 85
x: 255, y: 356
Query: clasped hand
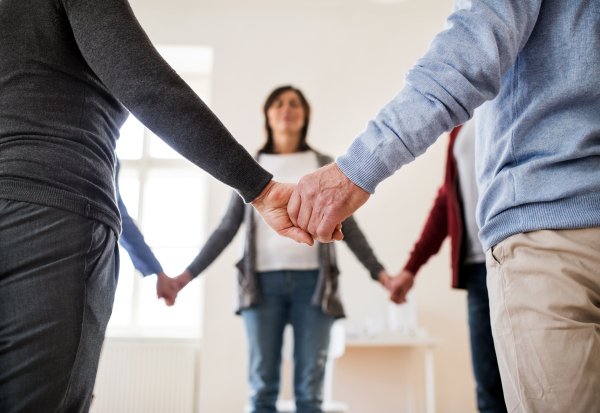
x: 314, y: 208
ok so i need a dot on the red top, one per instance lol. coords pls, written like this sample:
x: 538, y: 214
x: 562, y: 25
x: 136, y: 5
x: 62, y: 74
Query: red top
x: 444, y: 219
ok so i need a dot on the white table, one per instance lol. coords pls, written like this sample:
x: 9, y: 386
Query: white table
x: 406, y: 340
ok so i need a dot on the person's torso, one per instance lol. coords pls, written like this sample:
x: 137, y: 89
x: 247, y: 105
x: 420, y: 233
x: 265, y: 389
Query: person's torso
x: 274, y: 252
x: 538, y: 148
x: 464, y: 153
x: 58, y: 122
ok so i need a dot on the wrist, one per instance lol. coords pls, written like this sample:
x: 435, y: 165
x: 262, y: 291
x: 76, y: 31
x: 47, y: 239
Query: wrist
x: 258, y: 201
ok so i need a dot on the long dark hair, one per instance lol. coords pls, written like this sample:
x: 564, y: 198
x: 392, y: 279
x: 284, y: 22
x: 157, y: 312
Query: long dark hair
x: 302, y: 145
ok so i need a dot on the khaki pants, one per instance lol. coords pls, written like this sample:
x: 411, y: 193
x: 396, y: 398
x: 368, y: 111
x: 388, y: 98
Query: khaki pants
x: 544, y: 289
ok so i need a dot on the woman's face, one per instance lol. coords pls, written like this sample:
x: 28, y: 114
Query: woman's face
x: 286, y: 114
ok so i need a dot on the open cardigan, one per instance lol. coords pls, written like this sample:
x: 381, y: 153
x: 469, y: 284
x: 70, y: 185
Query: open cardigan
x: 445, y: 219
x: 326, y: 293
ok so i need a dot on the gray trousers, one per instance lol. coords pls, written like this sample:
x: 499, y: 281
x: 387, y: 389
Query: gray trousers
x: 58, y: 274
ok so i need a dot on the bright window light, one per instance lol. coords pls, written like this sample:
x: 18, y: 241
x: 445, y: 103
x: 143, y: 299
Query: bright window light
x: 164, y: 194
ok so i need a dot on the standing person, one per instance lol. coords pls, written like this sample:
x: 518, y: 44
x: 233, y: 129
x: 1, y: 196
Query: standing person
x: 68, y: 71
x: 280, y: 281
x: 534, y: 68
x: 453, y: 214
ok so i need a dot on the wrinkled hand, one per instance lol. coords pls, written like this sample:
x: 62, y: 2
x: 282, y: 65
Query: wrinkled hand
x: 272, y: 203
x: 165, y: 288
x: 401, y: 285
x: 324, y: 199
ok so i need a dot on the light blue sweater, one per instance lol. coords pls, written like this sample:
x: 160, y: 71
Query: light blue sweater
x: 535, y: 67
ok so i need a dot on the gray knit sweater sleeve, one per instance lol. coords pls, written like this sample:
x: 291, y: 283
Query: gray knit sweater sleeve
x: 221, y: 236
x: 120, y: 53
x: 357, y: 242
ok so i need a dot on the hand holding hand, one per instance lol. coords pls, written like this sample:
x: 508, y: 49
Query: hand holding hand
x: 182, y: 280
x: 401, y: 285
x: 324, y: 199
x: 272, y: 203
x: 165, y: 288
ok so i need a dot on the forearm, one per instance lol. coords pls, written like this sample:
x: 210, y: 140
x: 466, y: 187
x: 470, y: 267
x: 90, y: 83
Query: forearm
x: 357, y: 242
x: 119, y: 52
x: 461, y: 70
x: 221, y: 236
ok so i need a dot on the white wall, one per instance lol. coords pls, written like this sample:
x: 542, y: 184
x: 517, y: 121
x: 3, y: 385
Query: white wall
x: 349, y: 57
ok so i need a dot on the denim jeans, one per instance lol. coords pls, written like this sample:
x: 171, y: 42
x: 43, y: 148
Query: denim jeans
x: 286, y: 298
x: 57, y: 281
x: 490, y: 398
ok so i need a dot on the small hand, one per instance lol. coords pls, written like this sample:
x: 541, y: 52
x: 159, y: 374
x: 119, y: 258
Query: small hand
x: 182, y: 280
x: 272, y: 203
x: 322, y: 200
x: 401, y: 285
x: 165, y: 288
x: 385, y: 279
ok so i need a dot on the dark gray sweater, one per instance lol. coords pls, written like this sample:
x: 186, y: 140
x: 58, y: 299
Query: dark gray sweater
x: 68, y: 71
x: 326, y: 293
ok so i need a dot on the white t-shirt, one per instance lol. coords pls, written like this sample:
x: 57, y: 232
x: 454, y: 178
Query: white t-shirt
x: 464, y: 153
x: 273, y: 252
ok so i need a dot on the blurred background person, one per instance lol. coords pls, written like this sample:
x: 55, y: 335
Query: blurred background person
x: 281, y: 281
x: 453, y: 214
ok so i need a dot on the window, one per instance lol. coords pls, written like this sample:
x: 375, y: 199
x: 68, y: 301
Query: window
x: 164, y: 194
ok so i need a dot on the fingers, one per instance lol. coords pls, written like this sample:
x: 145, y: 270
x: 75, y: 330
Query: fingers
x: 299, y: 236
x: 293, y: 207
x: 327, y: 230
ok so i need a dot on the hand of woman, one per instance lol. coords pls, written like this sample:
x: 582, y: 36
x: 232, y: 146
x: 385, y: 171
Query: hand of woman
x: 401, y: 285
x: 385, y: 279
x: 165, y: 288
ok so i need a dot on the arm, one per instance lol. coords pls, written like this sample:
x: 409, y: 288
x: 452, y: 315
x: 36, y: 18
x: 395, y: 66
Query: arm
x: 358, y: 244
x: 119, y: 52
x: 220, y: 238
x: 216, y: 243
x: 132, y: 240
x: 461, y: 70
x: 433, y: 234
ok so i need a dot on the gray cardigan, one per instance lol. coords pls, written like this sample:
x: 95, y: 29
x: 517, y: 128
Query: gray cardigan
x: 326, y: 293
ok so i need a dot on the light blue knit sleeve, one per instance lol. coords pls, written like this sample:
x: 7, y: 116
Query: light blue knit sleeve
x: 461, y: 70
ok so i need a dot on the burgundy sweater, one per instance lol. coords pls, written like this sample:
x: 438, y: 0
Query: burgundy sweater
x: 444, y: 219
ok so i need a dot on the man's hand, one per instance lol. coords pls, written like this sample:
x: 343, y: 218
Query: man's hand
x: 165, y: 288
x: 324, y: 199
x: 401, y: 285
x: 272, y: 203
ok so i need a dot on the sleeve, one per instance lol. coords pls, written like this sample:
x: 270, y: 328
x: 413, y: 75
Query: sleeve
x: 461, y: 70
x: 120, y: 53
x: 132, y: 240
x: 434, y: 233
x: 221, y: 236
x: 358, y: 244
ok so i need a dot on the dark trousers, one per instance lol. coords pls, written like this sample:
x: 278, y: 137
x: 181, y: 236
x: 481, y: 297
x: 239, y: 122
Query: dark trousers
x: 490, y: 398
x: 58, y: 275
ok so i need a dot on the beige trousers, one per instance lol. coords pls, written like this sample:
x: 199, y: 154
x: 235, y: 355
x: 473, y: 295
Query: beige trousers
x: 544, y: 289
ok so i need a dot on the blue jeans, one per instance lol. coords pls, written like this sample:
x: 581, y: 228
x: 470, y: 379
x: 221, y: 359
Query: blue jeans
x: 286, y: 298
x: 58, y: 274
x: 490, y: 398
